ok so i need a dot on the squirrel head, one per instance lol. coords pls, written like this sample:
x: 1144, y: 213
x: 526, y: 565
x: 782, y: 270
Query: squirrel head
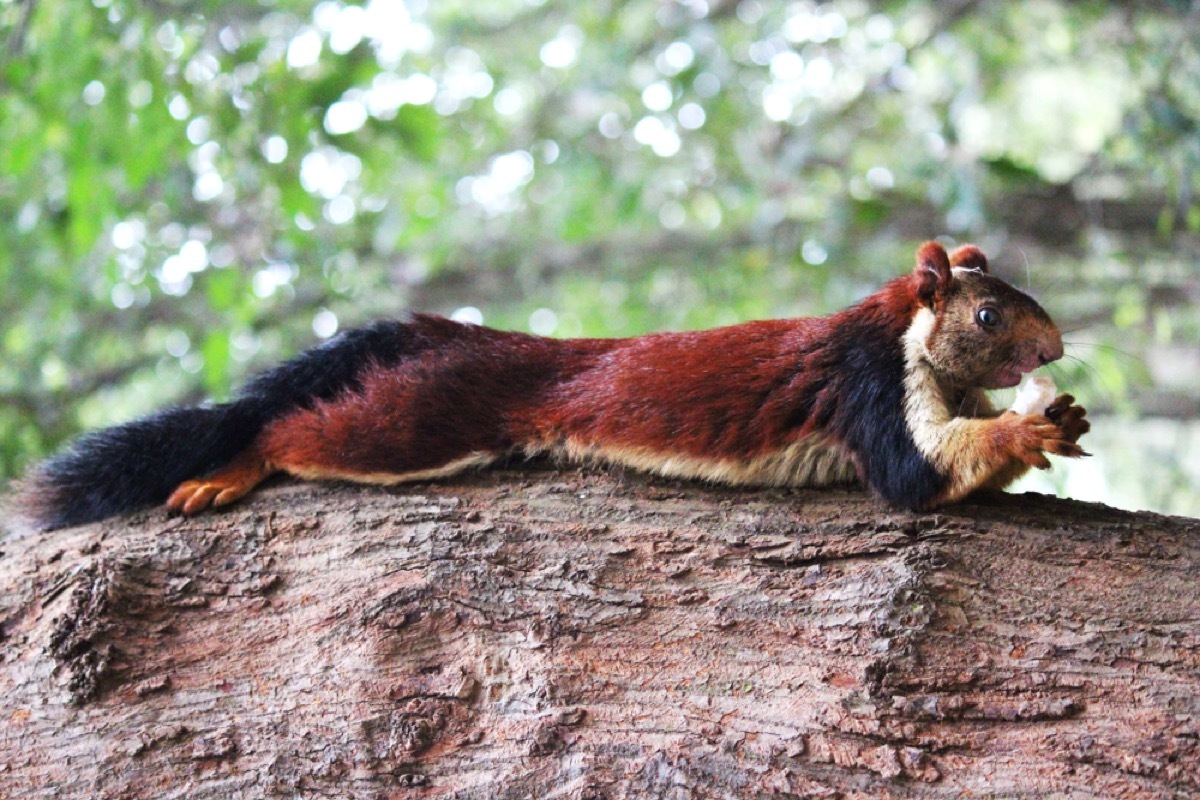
x: 984, y: 332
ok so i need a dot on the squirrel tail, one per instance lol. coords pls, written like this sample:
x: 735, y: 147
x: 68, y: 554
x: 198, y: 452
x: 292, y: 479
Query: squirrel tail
x: 140, y: 463
x: 133, y: 465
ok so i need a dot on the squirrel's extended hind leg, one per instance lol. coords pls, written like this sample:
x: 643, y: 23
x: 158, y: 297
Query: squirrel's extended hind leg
x: 366, y: 438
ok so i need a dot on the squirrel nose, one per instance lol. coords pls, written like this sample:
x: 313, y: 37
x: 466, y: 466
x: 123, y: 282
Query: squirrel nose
x: 1050, y: 350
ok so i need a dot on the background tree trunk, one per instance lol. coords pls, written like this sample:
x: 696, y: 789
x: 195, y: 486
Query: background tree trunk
x: 599, y: 635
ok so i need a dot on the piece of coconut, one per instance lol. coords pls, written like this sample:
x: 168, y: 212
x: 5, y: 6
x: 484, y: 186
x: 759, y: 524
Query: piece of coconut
x: 1035, y: 395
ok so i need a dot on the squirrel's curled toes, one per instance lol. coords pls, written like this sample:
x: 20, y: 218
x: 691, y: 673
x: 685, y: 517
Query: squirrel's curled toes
x: 889, y: 393
x: 1069, y: 417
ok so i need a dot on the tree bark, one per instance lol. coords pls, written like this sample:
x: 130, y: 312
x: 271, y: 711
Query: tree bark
x: 590, y: 634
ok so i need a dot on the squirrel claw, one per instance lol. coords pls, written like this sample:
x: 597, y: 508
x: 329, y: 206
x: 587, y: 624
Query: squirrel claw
x: 1063, y: 447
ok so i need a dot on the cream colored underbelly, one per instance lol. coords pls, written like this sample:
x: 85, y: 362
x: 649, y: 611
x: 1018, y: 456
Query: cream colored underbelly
x: 476, y: 459
x: 812, y: 461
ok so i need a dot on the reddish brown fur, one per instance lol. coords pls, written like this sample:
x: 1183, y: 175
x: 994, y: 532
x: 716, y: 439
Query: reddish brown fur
x: 669, y: 392
x: 662, y: 392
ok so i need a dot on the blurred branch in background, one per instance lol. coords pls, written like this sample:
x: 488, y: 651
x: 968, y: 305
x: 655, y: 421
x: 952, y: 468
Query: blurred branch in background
x: 191, y: 191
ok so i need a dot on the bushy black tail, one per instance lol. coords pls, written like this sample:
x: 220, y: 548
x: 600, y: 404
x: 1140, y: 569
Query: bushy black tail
x: 141, y: 462
x: 134, y: 465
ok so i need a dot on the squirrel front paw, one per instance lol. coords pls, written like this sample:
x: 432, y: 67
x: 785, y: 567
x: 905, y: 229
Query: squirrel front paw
x: 1069, y: 417
x: 1031, y: 436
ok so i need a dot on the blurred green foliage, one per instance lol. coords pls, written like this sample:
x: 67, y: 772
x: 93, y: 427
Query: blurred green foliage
x: 190, y: 191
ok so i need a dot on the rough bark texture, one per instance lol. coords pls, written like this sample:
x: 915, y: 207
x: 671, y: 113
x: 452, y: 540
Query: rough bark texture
x: 595, y: 635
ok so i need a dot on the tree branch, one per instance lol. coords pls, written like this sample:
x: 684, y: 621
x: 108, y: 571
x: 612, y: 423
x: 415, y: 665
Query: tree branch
x: 584, y: 634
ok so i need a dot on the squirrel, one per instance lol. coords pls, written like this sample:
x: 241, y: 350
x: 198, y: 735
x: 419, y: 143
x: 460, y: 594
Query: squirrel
x: 888, y: 393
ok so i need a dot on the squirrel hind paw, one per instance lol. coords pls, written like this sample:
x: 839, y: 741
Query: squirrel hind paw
x: 192, y: 497
x: 216, y: 490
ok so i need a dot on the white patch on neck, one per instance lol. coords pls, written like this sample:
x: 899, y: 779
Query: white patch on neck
x: 925, y: 409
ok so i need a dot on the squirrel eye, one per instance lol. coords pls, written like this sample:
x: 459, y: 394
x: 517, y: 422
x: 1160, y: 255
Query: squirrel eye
x: 988, y: 317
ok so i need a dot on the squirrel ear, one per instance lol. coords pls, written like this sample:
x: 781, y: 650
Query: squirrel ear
x: 969, y: 257
x: 932, y: 272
